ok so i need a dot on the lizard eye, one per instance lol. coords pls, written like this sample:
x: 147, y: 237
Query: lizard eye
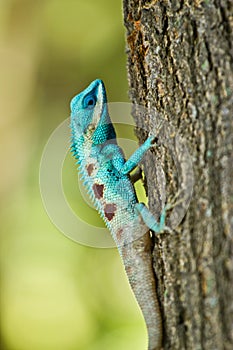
x: 89, y: 102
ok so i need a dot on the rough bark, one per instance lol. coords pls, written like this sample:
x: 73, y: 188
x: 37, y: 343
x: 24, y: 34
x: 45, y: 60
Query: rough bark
x: 180, y: 61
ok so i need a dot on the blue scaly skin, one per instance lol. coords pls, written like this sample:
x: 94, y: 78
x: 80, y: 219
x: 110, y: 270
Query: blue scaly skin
x: 106, y: 176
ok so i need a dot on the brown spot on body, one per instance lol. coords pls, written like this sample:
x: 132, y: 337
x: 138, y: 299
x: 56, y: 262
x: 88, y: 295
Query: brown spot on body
x: 90, y: 169
x: 109, y: 210
x: 98, y: 190
x: 119, y: 234
x: 129, y: 270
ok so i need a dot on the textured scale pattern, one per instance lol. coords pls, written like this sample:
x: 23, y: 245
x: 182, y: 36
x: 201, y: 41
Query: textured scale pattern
x: 106, y: 176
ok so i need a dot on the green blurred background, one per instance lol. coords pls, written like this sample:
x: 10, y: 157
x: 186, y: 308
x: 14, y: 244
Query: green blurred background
x: 55, y: 293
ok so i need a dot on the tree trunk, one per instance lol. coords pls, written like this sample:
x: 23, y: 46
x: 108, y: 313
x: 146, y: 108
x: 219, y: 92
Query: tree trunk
x: 180, y: 61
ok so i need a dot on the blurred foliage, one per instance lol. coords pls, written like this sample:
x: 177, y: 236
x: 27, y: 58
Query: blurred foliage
x: 56, y: 294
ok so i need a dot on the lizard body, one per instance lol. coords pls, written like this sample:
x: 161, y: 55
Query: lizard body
x: 106, y: 176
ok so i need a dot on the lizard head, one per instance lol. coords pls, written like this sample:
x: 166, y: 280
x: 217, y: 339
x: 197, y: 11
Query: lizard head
x: 89, y: 114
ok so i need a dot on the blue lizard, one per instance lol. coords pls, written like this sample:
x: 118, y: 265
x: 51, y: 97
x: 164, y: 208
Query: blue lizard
x: 106, y: 176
